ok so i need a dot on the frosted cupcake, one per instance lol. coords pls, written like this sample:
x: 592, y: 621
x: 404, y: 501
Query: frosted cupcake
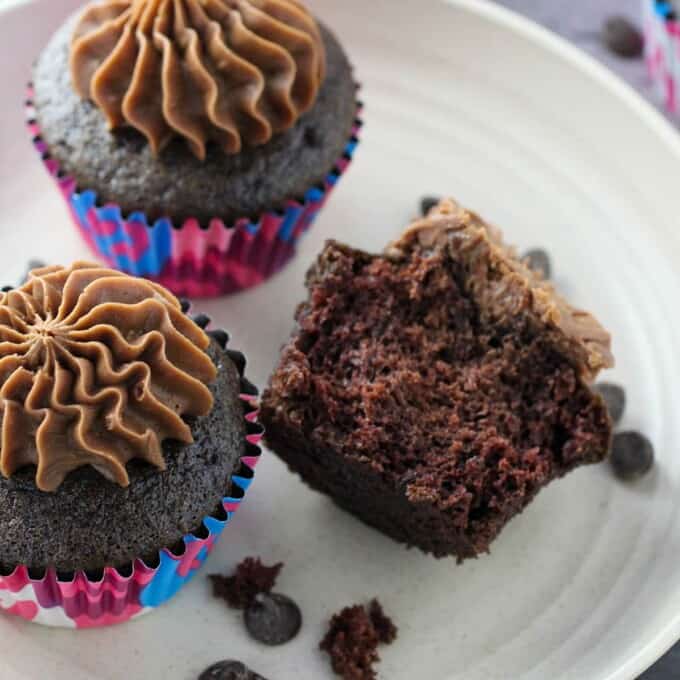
x: 195, y: 141
x: 126, y: 445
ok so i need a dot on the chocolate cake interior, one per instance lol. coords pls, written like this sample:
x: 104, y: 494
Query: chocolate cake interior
x: 395, y: 367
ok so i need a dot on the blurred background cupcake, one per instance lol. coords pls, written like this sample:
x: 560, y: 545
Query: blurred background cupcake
x: 662, y: 50
x: 195, y: 140
x: 128, y: 440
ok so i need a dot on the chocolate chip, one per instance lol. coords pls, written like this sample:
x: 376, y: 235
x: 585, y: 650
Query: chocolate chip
x: 632, y: 455
x: 202, y: 320
x: 273, y: 619
x: 623, y: 37
x: 615, y: 398
x: 383, y: 624
x: 539, y: 260
x: 229, y: 670
x: 185, y: 304
x: 427, y: 203
x: 6, y: 289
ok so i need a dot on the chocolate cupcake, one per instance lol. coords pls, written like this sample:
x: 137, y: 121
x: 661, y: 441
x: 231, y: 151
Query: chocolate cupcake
x: 435, y: 389
x: 194, y: 141
x: 124, y: 445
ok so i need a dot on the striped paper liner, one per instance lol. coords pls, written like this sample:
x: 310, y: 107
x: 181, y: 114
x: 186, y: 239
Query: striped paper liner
x: 192, y: 259
x: 662, y: 50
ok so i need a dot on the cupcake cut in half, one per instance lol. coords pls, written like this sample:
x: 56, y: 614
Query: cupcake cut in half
x: 195, y: 140
x: 433, y: 390
x: 120, y: 418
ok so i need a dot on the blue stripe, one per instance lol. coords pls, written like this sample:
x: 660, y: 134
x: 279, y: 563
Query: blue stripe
x: 287, y: 228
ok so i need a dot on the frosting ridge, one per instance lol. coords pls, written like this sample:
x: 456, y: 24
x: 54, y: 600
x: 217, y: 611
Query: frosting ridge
x: 96, y: 368
x: 233, y: 72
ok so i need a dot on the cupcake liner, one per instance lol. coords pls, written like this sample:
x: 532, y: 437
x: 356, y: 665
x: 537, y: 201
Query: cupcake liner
x: 115, y: 595
x: 662, y: 50
x: 192, y: 259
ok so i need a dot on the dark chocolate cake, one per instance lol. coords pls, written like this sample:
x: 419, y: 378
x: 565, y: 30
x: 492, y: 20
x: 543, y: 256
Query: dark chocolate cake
x: 433, y: 390
x: 353, y: 637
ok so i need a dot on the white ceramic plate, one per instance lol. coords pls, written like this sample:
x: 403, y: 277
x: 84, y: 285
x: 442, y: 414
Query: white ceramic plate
x: 467, y: 99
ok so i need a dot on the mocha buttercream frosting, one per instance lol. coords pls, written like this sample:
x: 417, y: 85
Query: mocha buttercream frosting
x: 504, y: 287
x: 96, y: 368
x: 232, y: 72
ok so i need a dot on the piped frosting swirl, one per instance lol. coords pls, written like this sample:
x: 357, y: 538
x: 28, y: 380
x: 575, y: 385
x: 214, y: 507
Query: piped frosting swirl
x: 96, y: 368
x: 232, y: 72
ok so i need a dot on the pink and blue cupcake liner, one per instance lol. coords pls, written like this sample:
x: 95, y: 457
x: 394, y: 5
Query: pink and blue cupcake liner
x: 191, y: 259
x: 662, y: 50
x: 116, y: 595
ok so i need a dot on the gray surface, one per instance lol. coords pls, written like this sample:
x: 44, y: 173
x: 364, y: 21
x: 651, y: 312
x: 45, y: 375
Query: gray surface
x: 580, y: 21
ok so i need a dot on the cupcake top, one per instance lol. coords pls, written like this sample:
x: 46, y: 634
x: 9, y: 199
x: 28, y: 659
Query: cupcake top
x: 96, y: 368
x: 504, y: 287
x: 231, y: 72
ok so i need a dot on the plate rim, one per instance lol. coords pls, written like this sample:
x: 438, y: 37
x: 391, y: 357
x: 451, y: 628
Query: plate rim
x: 645, y: 112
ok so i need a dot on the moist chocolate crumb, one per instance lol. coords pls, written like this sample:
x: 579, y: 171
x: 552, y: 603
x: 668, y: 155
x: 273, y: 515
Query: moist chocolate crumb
x: 353, y: 637
x: 250, y: 578
x: 383, y: 624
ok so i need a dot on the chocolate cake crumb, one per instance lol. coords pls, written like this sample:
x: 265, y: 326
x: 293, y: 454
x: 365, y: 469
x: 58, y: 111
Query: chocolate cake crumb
x: 383, y: 624
x: 353, y: 637
x: 250, y: 578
